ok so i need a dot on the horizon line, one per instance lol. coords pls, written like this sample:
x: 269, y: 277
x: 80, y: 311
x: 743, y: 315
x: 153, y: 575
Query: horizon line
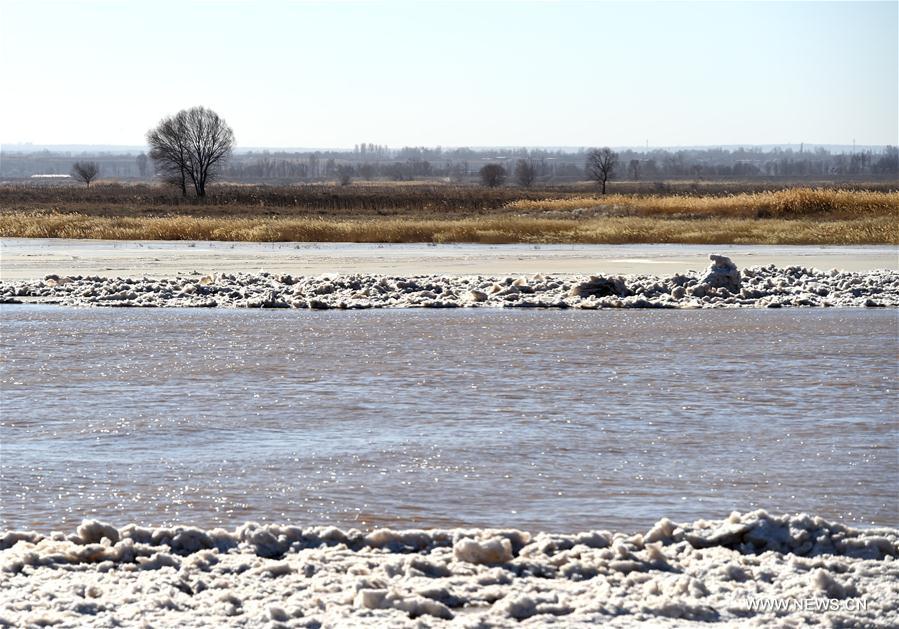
x: 4, y: 146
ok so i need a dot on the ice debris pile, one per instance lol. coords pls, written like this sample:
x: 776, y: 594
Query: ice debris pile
x: 672, y: 575
x: 722, y: 285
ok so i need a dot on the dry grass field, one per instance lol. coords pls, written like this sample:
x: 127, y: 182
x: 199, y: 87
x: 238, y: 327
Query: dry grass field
x: 790, y: 203
x: 503, y: 229
x: 447, y: 213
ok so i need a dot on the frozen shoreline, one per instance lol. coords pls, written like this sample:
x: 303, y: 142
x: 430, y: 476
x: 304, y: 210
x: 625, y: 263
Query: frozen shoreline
x: 671, y: 575
x: 721, y: 285
x: 34, y: 258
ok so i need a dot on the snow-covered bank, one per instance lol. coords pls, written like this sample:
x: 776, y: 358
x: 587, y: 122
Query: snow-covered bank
x: 720, y: 285
x: 674, y: 574
x: 34, y: 258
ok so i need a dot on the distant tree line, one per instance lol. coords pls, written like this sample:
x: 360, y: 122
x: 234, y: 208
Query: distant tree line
x: 557, y: 166
x: 543, y: 166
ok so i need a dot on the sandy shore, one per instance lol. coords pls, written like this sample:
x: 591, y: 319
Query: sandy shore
x: 32, y: 259
x: 673, y: 575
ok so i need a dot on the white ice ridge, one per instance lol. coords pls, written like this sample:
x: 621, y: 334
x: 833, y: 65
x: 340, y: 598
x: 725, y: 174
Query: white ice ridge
x: 721, y: 285
x: 733, y: 571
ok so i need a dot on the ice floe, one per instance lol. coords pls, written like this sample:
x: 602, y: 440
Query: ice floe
x: 754, y: 569
x: 721, y: 285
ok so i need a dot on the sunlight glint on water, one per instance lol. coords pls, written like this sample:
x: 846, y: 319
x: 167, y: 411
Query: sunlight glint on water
x: 540, y: 420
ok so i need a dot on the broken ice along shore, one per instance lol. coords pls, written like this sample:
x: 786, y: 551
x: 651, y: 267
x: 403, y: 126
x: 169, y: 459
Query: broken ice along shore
x: 721, y: 285
x: 753, y: 569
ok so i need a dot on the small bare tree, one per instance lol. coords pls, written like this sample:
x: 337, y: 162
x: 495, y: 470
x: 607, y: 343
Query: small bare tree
x: 367, y: 171
x: 635, y: 169
x: 525, y: 173
x: 492, y: 175
x: 142, y: 161
x: 601, y: 165
x: 345, y: 174
x: 457, y: 172
x: 85, y: 171
x: 191, y: 145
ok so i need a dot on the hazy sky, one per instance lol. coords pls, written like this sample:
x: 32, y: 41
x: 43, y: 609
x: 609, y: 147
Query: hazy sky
x: 291, y: 73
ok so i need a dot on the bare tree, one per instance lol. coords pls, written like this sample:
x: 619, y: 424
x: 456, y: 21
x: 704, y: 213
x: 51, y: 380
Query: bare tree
x: 525, y: 173
x: 85, y: 171
x: 168, y: 149
x: 366, y: 170
x: 345, y: 174
x: 457, y: 172
x: 142, y: 164
x: 191, y: 145
x: 635, y: 169
x: 492, y: 175
x: 601, y: 165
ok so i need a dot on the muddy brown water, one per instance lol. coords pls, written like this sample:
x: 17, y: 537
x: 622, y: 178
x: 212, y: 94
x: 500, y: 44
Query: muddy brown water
x: 539, y: 420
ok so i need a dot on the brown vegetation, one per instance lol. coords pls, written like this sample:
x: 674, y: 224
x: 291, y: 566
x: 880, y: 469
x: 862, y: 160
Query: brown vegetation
x: 420, y: 200
x: 416, y: 200
x: 504, y: 229
x: 792, y: 203
x: 448, y: 213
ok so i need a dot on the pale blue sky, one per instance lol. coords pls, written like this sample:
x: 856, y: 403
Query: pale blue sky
x: 334, y: 74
